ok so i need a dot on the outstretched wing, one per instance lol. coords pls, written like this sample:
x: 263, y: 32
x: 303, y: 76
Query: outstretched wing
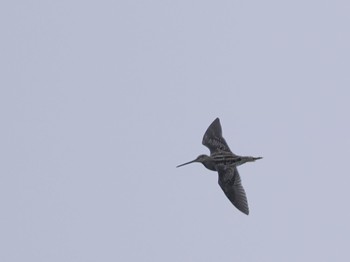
x: 230, y: 182
x: 213, y: 139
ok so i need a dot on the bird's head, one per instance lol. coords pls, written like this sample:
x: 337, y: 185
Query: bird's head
x: 199, y: 159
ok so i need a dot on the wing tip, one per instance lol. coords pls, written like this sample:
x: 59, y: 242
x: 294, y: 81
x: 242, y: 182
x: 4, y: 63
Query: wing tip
x: 246, y: 212
x: 216, y: 120
x: 243, y: 208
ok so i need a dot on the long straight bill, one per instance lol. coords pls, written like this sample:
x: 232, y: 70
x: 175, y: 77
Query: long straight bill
x: 188, y: 163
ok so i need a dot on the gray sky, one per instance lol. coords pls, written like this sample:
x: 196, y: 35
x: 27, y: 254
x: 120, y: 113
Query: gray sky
x: 100, y: 100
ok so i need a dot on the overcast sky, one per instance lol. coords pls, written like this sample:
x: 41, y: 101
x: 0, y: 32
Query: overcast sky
x: 100, y: 100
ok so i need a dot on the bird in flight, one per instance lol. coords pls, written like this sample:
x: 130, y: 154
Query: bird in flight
x: 225, y: 162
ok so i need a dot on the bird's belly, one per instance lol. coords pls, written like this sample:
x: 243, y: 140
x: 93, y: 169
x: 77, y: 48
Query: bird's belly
x: 211, y: 166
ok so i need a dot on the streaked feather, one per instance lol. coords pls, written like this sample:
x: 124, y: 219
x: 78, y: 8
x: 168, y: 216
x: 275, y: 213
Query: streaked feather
x: 213, y: 139
x: 230, y: 182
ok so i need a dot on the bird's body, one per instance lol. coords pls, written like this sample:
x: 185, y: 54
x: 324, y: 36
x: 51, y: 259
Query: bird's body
x: 225, y: 162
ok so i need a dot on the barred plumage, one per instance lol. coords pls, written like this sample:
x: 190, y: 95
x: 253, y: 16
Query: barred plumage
x: 221, y: 159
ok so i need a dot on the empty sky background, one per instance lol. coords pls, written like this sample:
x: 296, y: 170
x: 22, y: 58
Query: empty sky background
x: 100, y: 100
